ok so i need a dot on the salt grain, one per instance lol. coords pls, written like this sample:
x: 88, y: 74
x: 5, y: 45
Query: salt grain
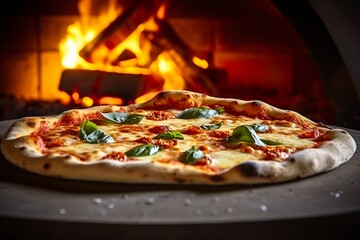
x: 96, y: 201
x: 263, y: 208
x: 62, y: 211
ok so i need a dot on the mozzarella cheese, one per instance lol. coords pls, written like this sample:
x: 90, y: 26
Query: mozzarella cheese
x: 220, y: 154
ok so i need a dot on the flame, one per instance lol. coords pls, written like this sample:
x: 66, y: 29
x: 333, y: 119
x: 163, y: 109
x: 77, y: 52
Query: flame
x: 64, y: 98
x: 83, y: 31
x: 86, y: 29
x: 71, y: 45
x: 200, y: 62
x: 76, y: 97
x: 111, y: 101
x: 87, y: 101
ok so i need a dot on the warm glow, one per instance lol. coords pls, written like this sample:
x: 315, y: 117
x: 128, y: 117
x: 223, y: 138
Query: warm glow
x: 87, y: 101
x: 64, y: 98
x: 200, y: 62
x: 76, y: 97
x: 141, y: 61
x: 171, y: 73
x: 164, y: 66
x: 161, y: 13
x: 83, y: 31
x: 72, y: 44
x: 145, y: 97
x: 111, y: 101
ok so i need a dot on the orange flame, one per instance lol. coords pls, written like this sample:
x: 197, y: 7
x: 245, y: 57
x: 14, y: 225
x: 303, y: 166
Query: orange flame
x: 84, y: 30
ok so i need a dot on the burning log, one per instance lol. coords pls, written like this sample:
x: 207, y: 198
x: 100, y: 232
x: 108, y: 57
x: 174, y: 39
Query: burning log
x: 124, y: 56
x: 127, y: 22
x: 167, y: 40
x: 160, y: 39
x: 97, y: 84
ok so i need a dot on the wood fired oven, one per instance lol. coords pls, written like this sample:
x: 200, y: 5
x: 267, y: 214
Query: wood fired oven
x: 294, y: 56
x: 301, y: 55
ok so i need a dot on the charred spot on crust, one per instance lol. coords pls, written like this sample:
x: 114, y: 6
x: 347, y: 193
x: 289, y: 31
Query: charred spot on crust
x: 256, y: 104
x: 31, y: 124
x: 257, y: 109
x: 22, y: 148
x: 162, y: 94
x: 180, y: 180
x: 248, y: 169
x: 46, y: 166
x: 342, y: 132
x: 290, y: 159
x: 217, y: 178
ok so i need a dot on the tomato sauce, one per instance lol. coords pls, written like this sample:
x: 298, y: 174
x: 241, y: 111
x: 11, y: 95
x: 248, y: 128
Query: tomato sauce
x: 119, y: 156
x: 160, y: 115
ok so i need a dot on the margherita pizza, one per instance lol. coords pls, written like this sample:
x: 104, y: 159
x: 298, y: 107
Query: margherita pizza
x: 180, y: 137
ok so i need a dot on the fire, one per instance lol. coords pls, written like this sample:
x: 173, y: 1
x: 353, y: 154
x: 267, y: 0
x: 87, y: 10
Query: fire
x: 111, y: 101
x: 105, y: 59
x: 71, y: 45
x: 200, y: 62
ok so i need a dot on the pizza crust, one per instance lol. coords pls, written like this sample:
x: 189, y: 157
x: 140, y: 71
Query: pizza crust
x: 24, y: 152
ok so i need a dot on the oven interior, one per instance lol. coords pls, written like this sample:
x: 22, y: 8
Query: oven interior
x: 299, y: 55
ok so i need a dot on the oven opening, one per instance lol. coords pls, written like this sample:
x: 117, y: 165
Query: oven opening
x: 76, y: 54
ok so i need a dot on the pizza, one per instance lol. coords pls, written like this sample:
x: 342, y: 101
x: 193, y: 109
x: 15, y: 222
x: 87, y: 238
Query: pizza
x: 177, y: 137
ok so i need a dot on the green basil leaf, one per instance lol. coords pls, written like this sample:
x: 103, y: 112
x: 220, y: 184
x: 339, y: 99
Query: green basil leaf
x: 199, y: 112
x: 191, y: 155
x: 91, y: 134
x: 86, y: 128
x: 211, y: 126
x: 247, y: 134
x: 270, y: 142
x: 99, y: 136
x: 123, y: 118
x: 220, y: 110
x: 259, y: 127
x: 171, y: 134
x: 143, y: 150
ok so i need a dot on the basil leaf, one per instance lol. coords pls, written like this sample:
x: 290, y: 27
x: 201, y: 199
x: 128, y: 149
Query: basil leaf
x: 91, y: 134
x: 259, y: 127
x: 171, y: 134
x: 270, y: 142
x: 99, y: 136
x: 199, y: 112
x: 220, y: 110
x: 247, y: 134
x: 211, y: 126
x: 143, y: 150
x: 86, y: 128
x: 191, y: 155
x: 123, y: 118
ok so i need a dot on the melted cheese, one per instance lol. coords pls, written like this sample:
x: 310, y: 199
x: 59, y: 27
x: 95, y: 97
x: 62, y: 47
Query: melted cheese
x: 222, y: 157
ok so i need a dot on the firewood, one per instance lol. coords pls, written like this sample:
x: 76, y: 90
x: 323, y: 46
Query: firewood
x: 118, y: 30
x: 182, y: 55
x: 124, y: 56
x: 96, y: 84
